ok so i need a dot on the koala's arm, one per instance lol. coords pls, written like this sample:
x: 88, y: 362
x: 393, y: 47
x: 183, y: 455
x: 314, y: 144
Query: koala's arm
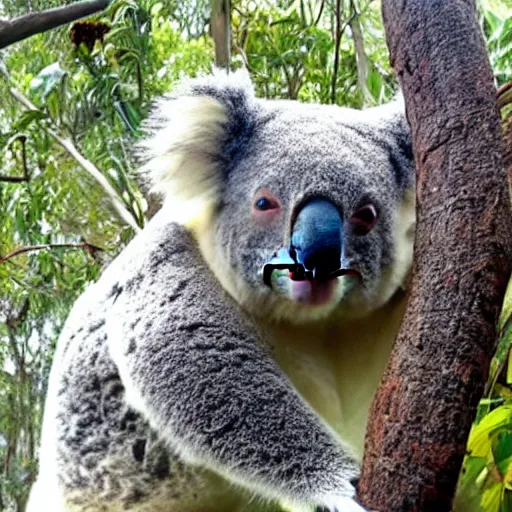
x: 193, y: 364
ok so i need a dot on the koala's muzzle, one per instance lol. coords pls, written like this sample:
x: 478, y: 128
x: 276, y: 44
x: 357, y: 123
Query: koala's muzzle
x: 316, y: 246
x: 317, y: 238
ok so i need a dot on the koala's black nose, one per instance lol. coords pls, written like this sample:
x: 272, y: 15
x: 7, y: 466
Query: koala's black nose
x: 317, y: 237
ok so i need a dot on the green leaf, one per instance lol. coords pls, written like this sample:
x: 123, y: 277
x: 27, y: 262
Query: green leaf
x: 509, y: 367
x: 506, y: 504
x: 375, y: 83
x: 479, y: 437
x: 506, y: 309
x: 156, y: 8
x: 505, y: 469
x: 468, y: 492
x: 491, y: 498
x: 5, y: 139
x: 47, y: 80
x: 27, y: 118
x: 502, y: 448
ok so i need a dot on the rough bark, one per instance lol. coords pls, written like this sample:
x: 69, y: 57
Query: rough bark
x: 426, y: 402
x: 27, y: 25
x: 220, y: 26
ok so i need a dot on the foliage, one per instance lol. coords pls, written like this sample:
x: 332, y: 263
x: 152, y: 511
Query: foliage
x: 496, y: 21
x: 91, y: 85
x: 289, y: 49
x: 96, y: 98
x: 485, y: 483
x: 486, y: 477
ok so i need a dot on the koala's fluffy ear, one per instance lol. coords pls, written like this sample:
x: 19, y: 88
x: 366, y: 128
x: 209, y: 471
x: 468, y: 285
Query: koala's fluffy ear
x: 390, y: 123
x: 193, y: 135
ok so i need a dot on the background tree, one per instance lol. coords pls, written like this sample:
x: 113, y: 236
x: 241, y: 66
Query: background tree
x: 221, y: 32
x: 90, y: 84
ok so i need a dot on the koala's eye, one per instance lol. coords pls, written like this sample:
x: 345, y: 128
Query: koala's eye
x: 265, y: 206
x: 363, y: 219
x: 265, y: 203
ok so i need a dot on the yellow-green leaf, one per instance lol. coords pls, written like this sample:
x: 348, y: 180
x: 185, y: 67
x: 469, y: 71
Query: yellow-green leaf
x: 491, y: 498
x: 479, y: 438
x: 506, y: 310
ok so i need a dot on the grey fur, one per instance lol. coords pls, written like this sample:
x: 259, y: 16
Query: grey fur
x: 163, y: 380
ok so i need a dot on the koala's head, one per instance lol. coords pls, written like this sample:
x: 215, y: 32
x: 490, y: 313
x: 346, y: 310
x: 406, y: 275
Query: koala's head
x: 328, y: 190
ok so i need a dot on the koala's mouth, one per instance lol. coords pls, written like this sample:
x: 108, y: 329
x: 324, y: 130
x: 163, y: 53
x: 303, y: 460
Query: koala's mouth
x: 312, y: 291
x: 313, y: 287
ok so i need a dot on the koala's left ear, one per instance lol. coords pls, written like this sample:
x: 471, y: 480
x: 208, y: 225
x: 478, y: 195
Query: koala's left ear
x: 193, y: 135
x: 389, y: 124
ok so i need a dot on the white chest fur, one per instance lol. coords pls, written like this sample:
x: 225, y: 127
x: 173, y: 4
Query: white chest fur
x: 337, y: 366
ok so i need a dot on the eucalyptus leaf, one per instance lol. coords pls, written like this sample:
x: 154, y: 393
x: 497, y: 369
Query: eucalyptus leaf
x: 27, y: 118
x: 47, y: 80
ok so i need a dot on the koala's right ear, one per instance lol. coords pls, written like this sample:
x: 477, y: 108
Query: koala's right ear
x: 193, y: 135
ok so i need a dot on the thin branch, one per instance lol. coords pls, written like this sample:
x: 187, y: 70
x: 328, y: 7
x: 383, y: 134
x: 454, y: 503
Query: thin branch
x: 320, y: 12
x: 12, y: 323
x: 13, y: 179
x: 86, y: 246
x: 504, y: 88
x: 68, y: 145
x: 505, y: 95
x: 23, y: 141
x: 288, y: 80
x: 243, y: 55
x: 33, y: 23
x: 337, y: 44
x: 15, y: 320
x: 339, y: 33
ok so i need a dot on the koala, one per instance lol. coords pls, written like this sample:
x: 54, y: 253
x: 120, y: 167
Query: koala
x: 226, y: 360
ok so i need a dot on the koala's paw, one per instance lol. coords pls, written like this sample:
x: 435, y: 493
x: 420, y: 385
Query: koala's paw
x: 340, y: 504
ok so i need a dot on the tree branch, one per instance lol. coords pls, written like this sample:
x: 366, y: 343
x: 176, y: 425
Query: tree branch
x: 337, y: 43
x: 89, y: 248
x: 33, y: 23
x: 505, y: 95
x: 15, y: 320
x: 426, y: 402
x: 13, y: 179
x: 23, y: 140
x: 320, y: 12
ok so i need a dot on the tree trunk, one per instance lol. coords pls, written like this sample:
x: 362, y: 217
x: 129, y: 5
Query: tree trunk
x: 35, y: 22
x: 221, y: 20
x: 426, y: 402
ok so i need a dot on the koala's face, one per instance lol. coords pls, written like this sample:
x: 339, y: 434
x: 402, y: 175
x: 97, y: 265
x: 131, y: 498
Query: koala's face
x: 328, y: 188
x: 314, y: 183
